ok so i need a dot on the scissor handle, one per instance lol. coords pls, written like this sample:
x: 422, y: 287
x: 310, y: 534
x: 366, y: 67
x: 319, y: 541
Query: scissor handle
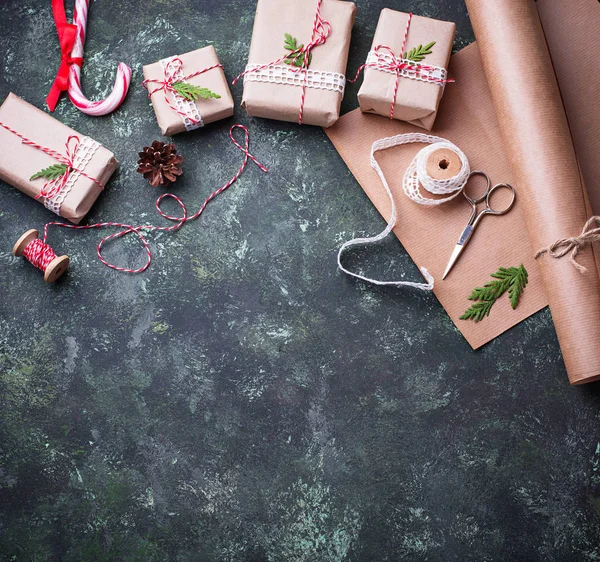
x: 489, y: 194
x: 475, y: 202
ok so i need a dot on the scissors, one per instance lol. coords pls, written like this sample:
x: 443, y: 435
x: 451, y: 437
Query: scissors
x: 476, y: 218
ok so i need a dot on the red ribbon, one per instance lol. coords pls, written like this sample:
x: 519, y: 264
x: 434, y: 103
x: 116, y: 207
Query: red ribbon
x: 67, y: 34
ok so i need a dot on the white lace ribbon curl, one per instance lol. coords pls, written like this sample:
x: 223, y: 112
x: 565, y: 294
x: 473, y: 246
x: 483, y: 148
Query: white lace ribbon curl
x: 415, y: 177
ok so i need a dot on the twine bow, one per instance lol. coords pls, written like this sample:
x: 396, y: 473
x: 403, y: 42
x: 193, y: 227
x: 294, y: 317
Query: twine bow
x: 172, y: 69
x: 67, y: 34
x: 53, y: 187
x: 321, y: 31
x: 563, y: 246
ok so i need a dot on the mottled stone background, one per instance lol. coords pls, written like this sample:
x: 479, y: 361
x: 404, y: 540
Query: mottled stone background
x: 243, y: 401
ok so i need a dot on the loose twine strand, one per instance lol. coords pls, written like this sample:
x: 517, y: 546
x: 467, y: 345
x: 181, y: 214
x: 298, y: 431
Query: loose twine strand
x: 40, y: 254
x: 574, y: 245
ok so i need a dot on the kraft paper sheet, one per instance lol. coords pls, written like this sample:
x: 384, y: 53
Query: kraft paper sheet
x: 539, y: 161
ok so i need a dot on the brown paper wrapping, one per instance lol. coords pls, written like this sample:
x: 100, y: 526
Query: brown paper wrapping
x: 416, y: 102
x: 275, y: 18
x: 468, y: 118
x: 429, y: 234
x: 18, y: 162
x: 211, y: 110
x: 537, y: 137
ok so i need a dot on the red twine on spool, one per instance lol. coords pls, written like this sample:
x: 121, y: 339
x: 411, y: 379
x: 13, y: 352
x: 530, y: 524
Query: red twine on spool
x: 35, y: 251
x: 53, y: 187
x: 386, y: 60
x: 39, y: 254
x: 171, y: 69
x: 321, y: 31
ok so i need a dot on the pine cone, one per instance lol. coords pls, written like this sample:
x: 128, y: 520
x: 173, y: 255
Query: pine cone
x: 160, y: 164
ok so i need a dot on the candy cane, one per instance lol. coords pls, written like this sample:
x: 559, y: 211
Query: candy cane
x: 74, y: 61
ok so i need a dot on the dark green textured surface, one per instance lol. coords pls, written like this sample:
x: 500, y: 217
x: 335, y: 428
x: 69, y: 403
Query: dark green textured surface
x: 243, y: 401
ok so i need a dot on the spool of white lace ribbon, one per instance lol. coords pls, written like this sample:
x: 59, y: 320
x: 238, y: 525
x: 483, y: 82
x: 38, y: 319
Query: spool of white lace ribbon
x: 416, y: 179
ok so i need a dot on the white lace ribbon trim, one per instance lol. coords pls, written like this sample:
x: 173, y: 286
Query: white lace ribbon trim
x: 415, y: 175
x: 434, y: 73
x: 283, y: 74
x: 83, y: 156
x: 191, y: 116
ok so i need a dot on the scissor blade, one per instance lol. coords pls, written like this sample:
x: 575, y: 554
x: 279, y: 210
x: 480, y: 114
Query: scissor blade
x: 453, y: 258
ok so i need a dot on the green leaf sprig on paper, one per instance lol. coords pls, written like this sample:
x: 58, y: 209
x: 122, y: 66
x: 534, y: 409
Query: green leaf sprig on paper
x: 418, y: 54
x: 297, y: 59
x: 51, y: 172
x: 193, y: 93
x: 511, y: 279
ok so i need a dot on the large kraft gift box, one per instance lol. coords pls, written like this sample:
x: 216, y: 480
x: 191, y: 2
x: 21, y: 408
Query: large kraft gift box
x: 416, y: 101
x: 276, y: 100
x: 196, y: 113
x: 93, y: 165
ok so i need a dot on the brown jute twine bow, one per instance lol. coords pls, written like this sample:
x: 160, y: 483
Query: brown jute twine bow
x: 563, y: 246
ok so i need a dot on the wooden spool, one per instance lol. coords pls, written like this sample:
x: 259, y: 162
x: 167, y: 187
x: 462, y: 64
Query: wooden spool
x: 55, y: 268
x: 443, y: 164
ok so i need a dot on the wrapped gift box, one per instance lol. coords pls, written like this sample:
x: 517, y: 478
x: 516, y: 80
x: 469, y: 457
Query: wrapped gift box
x: 201, y: 68
x: 421, y: 83
x: 274, y: 89
x: 29, y: 138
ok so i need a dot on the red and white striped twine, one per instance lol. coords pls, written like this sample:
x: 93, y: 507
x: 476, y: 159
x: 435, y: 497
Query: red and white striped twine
x: 39, y: 254
x: 171, y: 69
x: 179, y: 220
x: 386, y: 60
x: 321, y: 31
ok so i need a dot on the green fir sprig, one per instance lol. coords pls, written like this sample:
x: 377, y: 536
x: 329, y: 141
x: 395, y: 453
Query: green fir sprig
x: 417, y: 54
x: 511, y: 279
x: 193, y: 93
x: 51, y: 172
x: 296, y: 59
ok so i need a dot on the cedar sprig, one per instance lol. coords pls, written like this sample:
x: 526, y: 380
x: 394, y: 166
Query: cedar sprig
x: 51, y: 172
x: 294, y: 58
x: 193, y: 93
x: 511, y: 279
x: 417, y: 54
x: 478, y: 311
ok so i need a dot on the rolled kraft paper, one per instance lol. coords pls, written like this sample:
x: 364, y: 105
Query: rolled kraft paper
x: 536, y: 133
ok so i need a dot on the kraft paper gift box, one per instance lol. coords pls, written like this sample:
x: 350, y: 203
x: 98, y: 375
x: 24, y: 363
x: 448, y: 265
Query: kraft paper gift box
x: 28, y: 137
x: 417, y: 99
x: 276, y: 92
x: 176, y: 114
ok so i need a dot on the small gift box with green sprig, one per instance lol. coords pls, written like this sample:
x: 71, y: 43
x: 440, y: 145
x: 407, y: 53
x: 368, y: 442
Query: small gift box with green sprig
x: 188, y: 91
x: 406, y: 69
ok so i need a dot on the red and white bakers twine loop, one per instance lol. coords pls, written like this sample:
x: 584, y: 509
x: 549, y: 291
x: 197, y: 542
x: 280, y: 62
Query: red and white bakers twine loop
x: 68, y: 78
x: 40, y: 254
x: 172, y: 68
x: 321, y: 31
x: 386, y: 60
x: 54, y: 187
